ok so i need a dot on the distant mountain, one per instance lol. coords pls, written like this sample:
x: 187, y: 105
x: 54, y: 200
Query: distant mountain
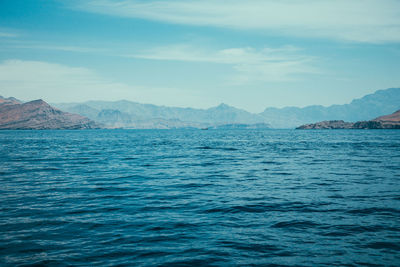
x: 391, y: 121
x: 128, y: 114
x: 365, y: 108
x: 38, y: 114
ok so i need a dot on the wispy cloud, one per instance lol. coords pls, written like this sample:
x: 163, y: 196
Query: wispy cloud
x: 35, y: 45
x: 374, y: 21
x: 8, y: 33
x: 268, y: 64
x: 65, y: 48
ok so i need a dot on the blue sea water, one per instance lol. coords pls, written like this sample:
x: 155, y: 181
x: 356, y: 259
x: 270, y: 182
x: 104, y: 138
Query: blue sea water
x: 200, y: 198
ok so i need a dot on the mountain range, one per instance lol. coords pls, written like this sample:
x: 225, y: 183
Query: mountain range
x: 127, y: 114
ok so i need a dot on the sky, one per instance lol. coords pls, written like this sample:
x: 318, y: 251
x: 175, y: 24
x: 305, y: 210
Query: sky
x: 250, y: 54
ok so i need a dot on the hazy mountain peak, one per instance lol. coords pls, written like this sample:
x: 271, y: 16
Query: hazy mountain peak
x: 223, y: 106
x: 380, y: 95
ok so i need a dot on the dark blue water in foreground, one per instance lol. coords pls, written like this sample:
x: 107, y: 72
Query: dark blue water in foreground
x: 191, y: 197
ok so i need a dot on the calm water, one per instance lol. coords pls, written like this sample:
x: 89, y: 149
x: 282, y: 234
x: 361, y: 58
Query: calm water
x: 191, y: 197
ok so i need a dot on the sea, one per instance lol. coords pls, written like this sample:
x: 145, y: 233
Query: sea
x: 242, y: 197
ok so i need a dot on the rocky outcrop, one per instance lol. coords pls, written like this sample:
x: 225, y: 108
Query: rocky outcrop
x: 391, y: 121
x: 367, y: 125
x: 394, y: 117
x: 39, y: 115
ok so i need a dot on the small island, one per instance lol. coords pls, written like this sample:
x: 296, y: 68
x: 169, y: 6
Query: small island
x: 391, y: 121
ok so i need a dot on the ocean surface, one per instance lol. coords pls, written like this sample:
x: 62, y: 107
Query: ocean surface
x: 200, y: 198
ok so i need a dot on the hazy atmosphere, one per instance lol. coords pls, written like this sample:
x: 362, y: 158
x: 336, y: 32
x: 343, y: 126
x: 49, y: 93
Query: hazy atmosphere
x: 199, y: 133
x: 249, y: 54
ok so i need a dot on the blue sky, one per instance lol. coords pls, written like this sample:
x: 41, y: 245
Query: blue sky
x: 250, y: 54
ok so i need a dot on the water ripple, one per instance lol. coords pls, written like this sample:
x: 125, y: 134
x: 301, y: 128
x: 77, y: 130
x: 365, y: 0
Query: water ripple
x: 199, y: 198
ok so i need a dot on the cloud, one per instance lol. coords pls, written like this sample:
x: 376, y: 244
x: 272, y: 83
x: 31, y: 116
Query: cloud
x: 35, y: 45
x: 64, y: 48
x: 35, y: 79
x: 373, y: 21
x: 268, y: 64
x: 28, y: 80
x: 8, y: 33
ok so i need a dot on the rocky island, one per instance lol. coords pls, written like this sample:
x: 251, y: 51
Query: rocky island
x: 38, y: 115
x: 391, y: 121
x: 232, y: 126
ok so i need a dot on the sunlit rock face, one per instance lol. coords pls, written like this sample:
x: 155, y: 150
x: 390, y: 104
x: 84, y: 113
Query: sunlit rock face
x: 38, y: 114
